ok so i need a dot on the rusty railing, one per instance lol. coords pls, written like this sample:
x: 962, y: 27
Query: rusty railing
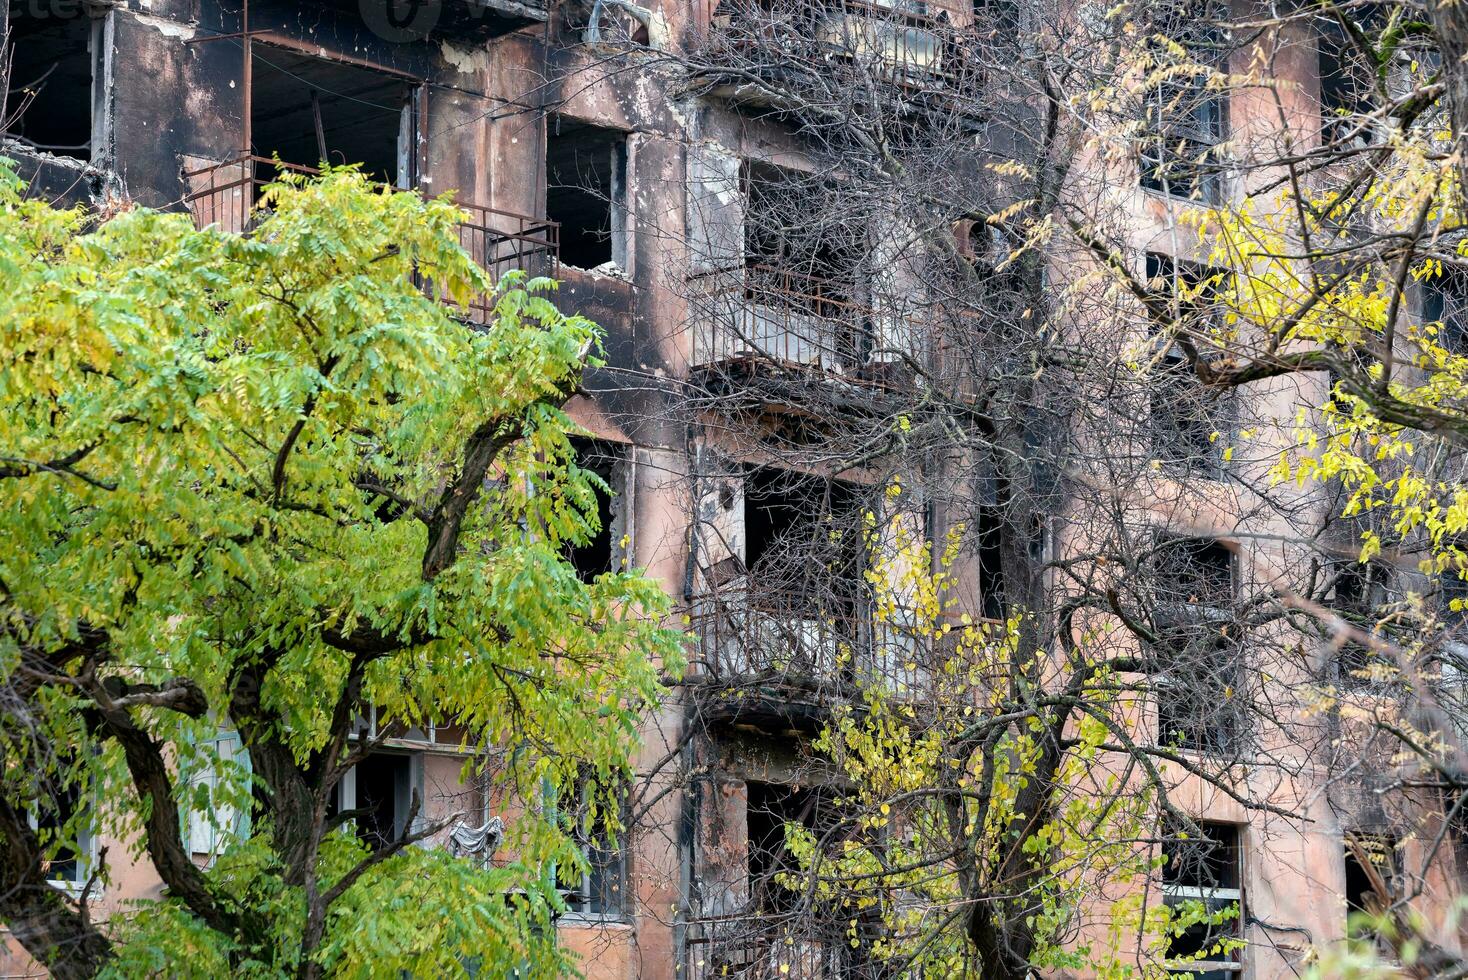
x: 741, y: 634
x: 745, y: 635
x: 757, y: 314
x: 778, y: 316
x: 226, y: 195
x: 908, y: 47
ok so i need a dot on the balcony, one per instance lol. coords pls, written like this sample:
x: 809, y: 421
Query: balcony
x: 775, y: 636
x: 771, y: 955
x: 486, y: 19
x: 898, y: 42
x: 226, y: 195
x: 759, y: 319
x: 467, y: 20
x: 780, y: 657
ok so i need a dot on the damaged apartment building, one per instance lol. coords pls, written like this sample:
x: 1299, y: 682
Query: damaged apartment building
x: 767, y: 330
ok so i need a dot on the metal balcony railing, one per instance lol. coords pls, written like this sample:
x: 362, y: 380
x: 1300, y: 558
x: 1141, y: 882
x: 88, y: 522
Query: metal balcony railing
x: 793, y: 321
x: 783, y: 636
x: 772, y: 957
x: 901, y: 42
x: 226, y: 194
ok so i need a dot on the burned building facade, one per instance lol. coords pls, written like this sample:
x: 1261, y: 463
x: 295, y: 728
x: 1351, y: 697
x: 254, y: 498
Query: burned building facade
x: 801, y: 227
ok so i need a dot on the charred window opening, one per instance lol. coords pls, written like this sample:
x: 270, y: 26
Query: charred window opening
x: 599, y: 555
x: 991, y: 567
x: 770, y: 807
x: 380, y: 789
x: 1187, y: 419
x: 802, y: 252
x: 1205, y: 869
x: 309, y: 110
x: 998, y: 20
x: 1193, y: 571
x: 803, y: 540
x: 1445, y: 301
x: 1198, y: 673
x: 1184, y: 116
x: 1360, y: 596
x: 1370, y: 862
x: 586, y: 191
x: 53, y: 101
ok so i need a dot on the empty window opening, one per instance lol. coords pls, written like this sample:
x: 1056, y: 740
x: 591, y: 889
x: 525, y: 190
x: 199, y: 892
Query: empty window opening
x: 1198, y: 676
x: 309, y: 110
x: 803, y: 249
x: 1193, y: 571
x: 381, y: 788
x: 53, y: 99
x: 793, y: 220
x: 1346, y: 84
x: 991, y: 569
x: 1187, y: 418
x: 1370, y: 862
x: 803, y: 541
x: 600, y: 554
x: 770, y: 807
x: 1184, y: 117
x: 600, y: 889
x: 1445, y: 302
x: 586, y: 191
x: 1198, y: 698
x: 1361, y: 595
x: 1205, y: 872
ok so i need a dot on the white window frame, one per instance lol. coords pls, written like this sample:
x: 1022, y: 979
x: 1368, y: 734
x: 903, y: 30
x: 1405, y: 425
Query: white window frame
x: 87, y: 852
x: 346, y: 788
x: 583, y: 893
x: 1212, y: 897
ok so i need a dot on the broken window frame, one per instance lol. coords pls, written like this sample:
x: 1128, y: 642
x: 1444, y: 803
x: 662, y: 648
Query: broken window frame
x: 1185, y: 447
x: 1373, y: 843
x: 98, y: 148
x: 1198, y: 672
x: 1215, y: 896
x: 599, y: 892
x: 1186, y: 121
x: 618, y: 215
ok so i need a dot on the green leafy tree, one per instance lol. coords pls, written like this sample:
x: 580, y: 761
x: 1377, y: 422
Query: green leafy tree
x: 266, y: 483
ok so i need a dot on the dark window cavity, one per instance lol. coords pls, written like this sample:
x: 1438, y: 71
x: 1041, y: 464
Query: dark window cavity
x: 586, y: 191
x: 600, y: 554
x: 1185, y: 414
x: 1206, y: 869
x: 55, y: 99
x: 309, y: 110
